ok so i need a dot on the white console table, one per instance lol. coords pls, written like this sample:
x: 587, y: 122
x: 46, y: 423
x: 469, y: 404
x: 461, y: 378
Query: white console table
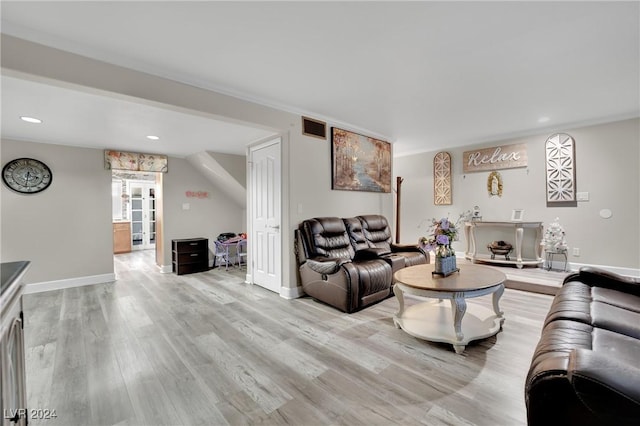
x: 527, y: 235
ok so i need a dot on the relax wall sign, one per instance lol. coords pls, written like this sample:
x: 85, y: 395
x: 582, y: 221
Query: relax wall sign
x: 496, y: 158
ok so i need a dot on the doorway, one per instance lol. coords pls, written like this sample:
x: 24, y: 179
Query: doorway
x: 265, y: 214
x: 143, y: 214
x: 134, y: 205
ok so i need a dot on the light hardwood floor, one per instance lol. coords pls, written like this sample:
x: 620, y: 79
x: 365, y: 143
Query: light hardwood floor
x: 207, y: 349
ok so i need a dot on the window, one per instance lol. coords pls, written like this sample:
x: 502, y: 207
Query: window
x: 116, y: 199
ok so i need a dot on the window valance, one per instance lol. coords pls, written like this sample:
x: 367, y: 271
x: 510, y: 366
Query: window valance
x: 118, y: 160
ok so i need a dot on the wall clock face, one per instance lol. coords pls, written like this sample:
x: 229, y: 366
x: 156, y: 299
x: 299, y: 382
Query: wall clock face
x: 26, y: 175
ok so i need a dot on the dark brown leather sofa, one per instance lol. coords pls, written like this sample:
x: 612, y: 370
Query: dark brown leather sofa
x: 586, y: 367
x: 349, y: 263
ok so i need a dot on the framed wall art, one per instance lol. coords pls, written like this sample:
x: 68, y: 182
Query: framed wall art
x: 442, y: 179
x: 560, y: 170
x: 359, y: 163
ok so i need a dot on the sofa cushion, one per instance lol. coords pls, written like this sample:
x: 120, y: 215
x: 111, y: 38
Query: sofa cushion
x: 328, y: 237
x: 615, y: 319
x: 561, y: 337
x: 572, y: 302
x: 354, y: 229
x: 376, y: 231
x: 600, y: 307
x: 620, y: 299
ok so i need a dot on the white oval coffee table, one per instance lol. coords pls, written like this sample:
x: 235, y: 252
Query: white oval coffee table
x: 438, y: 321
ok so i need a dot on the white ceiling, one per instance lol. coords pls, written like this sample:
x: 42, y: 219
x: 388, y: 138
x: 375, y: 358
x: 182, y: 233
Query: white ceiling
x: 425, y: 75
x: 72, y: 117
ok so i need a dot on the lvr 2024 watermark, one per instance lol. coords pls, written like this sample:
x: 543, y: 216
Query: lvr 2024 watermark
x: 33, y: 413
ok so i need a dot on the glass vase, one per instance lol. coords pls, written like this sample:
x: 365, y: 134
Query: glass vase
x: 444, y: 251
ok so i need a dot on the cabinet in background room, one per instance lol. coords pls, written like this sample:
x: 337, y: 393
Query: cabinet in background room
x: 121, y: 237
x: 190, y: 255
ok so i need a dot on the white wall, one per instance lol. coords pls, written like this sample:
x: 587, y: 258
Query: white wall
x: 606, y: 165
x: 306, y: 161
x: 607, y: 159
x: 311, y: 186
x: 235, y: 165
x: 206, y: 217
x: 66, y: 230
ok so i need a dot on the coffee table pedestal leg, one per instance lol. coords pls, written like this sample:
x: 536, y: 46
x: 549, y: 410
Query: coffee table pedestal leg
x: 458, y: 307
x: 496, y: 300
x: 398, y: 292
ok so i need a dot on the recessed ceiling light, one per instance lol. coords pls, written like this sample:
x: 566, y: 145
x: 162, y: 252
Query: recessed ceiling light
x: 153, y: 138
x: 30, y: 119
x: 543, y: 119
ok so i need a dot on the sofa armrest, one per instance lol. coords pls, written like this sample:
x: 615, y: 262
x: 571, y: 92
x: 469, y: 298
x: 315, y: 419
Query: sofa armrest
x: 604, y: 384
x: 326, y: 265
x: 370, y: 253
x: 405, y: 247
x: 598, y: 277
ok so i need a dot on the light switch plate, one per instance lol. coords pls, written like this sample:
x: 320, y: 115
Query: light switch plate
x: 583, y: 196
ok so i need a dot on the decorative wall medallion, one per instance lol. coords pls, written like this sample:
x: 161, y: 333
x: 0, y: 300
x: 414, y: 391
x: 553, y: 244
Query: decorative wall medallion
x: 442, y: 179
x: 494, y: 184
x: 561, y: 170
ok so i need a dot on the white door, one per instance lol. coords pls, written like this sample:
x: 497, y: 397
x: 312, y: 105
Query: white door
x: 143, y: 215
x: 265, y: 215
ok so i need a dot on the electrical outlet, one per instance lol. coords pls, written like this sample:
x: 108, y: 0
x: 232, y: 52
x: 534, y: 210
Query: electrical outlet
x: 576, y: 251
x: 582, y: 196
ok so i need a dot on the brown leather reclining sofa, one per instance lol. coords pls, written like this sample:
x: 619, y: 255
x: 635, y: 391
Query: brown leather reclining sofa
x: 349, y: 263
x: 586, y: 367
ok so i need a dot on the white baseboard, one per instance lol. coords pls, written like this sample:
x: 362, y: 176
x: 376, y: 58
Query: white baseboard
x: 572, y: 266
x: 291, y: 292
x: 68, y: 283
x: 285, y: 292
x: 166, y: 269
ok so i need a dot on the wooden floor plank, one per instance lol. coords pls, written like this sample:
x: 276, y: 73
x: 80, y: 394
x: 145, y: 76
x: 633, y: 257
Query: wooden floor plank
x: 207, y: 348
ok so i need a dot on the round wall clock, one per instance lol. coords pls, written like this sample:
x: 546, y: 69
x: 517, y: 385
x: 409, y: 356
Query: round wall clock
x: 26, y: 175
